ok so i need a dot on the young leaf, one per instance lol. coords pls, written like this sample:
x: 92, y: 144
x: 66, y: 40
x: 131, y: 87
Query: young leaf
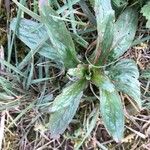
x: 124, y: 32
x: 64, y: 107
x: 112, y: 113
x: 125, y: 75
x: 32, y: 33
x: 78, y: 72
x: 59, y: 35
x: 146, y: 12
x: 102, y: 81
x: 103, y: 11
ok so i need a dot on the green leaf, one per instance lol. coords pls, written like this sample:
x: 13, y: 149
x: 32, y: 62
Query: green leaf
x: 92, y: 2
x: 146, y: 13
x: 32, y: 33
x: 148, y: 24
x: 102, y: 81
x: 105, y: 25
x: 78, y: 72
x: 125, y: 75
x: 64, y: 107
x: 110, y: 105
x: 146, y: 74
x: 103, y: 11
x: 59, y: 35
x: 107, y: 40
x: 124, y: 32
x: 119, y: 5
x: 112, y: 113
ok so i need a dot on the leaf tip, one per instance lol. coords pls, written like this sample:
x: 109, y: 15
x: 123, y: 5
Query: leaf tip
x: 118, y: 139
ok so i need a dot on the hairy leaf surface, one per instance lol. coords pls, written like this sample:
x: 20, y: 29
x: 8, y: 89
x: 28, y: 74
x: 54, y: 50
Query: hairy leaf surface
x: 112, y: 113
x: 105, y: 25
x: 59, y: 35
x: 104, y: 12
x: 64, y: 107
x: 107, y: 40
x: 146, y: 13
x: 125, y: 75
x: 124, y: 32
x: 110, y: 106
x: 102, y: 81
